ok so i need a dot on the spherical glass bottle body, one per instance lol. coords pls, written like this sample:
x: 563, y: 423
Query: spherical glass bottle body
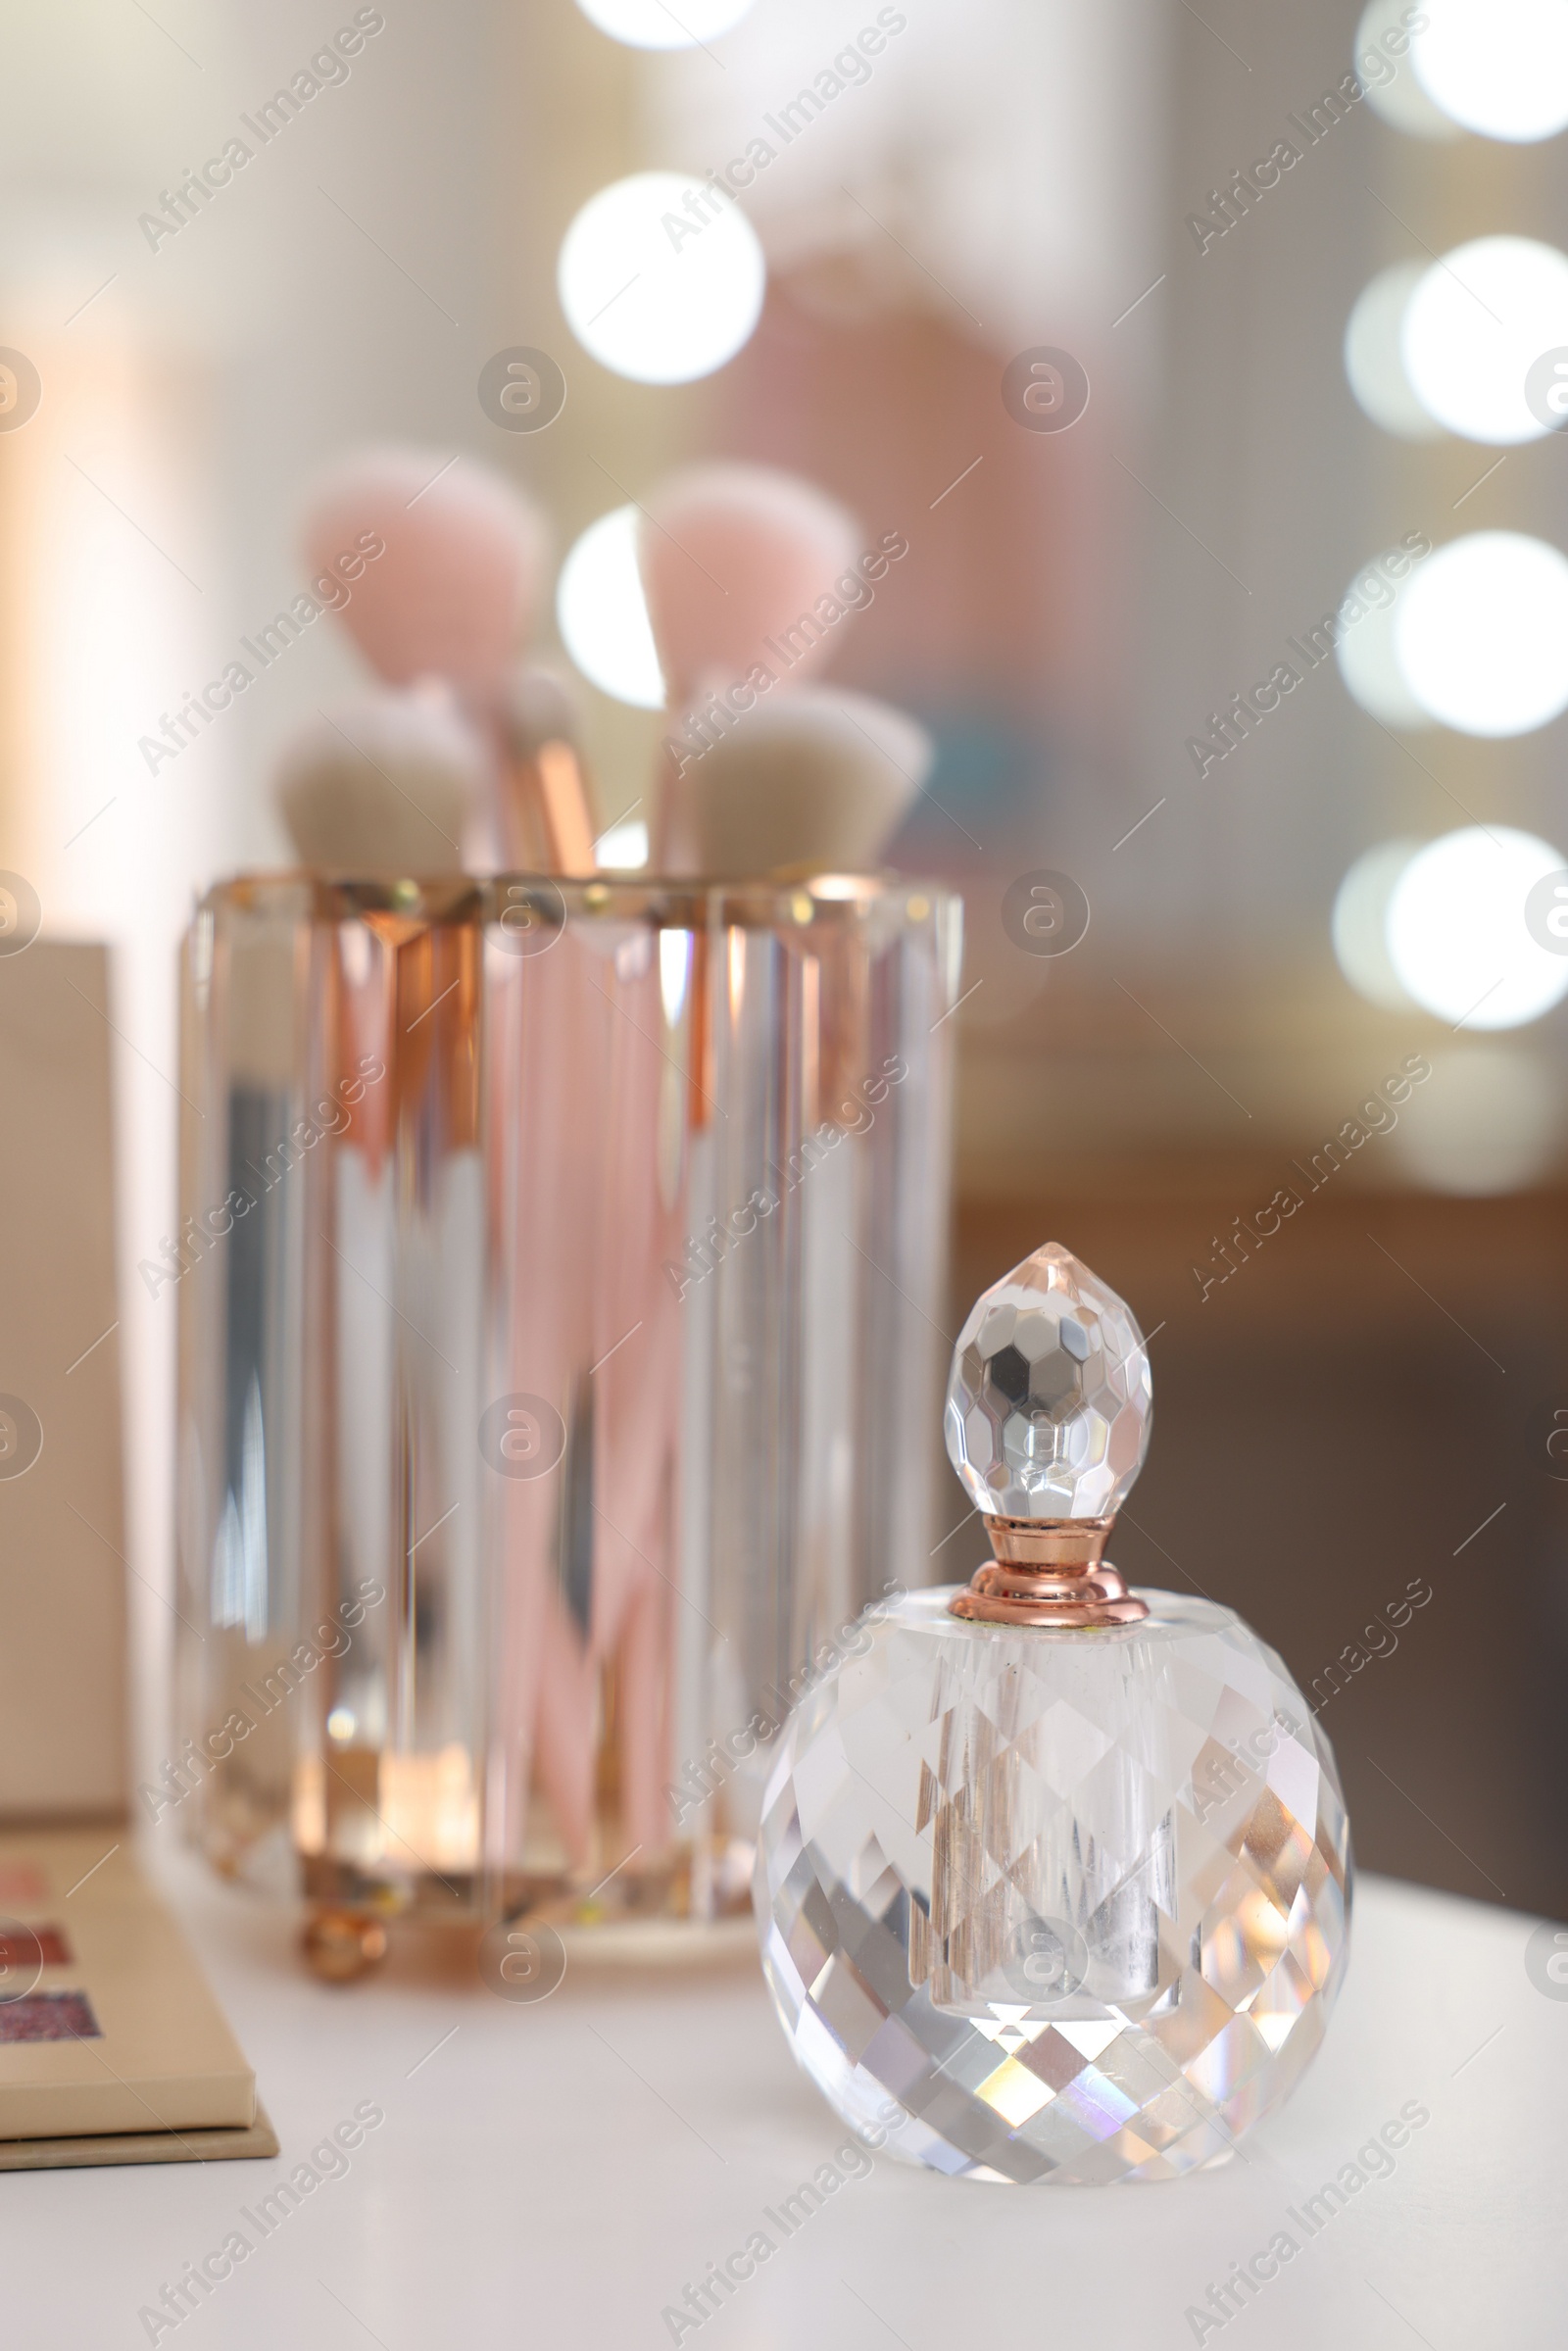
x: 1050, y: 1905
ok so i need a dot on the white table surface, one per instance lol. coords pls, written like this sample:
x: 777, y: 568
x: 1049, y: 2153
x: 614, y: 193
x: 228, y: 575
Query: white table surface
x: 556, y: 2173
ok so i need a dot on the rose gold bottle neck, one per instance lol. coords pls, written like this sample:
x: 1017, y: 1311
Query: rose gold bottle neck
x: 1050, y: 1570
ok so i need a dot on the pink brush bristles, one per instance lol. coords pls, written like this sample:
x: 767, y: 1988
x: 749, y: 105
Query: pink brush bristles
x: 455, y: 589
x: 730, y: 554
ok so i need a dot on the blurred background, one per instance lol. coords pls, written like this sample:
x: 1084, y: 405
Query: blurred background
x: 1152, y: 332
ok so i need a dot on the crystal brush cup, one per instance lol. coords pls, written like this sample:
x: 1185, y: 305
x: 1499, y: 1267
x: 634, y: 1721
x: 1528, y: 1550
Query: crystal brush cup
x: 556, y: 1267
x: 1053, y: 1879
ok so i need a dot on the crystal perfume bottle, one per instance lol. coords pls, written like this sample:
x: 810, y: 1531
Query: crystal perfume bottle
x: 1053, y: 1880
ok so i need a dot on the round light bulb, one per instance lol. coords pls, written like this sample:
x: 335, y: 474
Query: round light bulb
x: 1458, y: 933
x: 602, y: 615
x: 1360, y: 923
x: 1475, y: 325
x: 649, y: 25
x: 662, y: 278
x: 1499, y: 67
x: 1374, y: 355
x: 1382, y: 62
x: 1481, y: 633
x: 1366, y: 650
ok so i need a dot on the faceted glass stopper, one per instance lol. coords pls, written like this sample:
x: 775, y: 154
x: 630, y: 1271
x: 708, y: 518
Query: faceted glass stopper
x: 1049, y: 1399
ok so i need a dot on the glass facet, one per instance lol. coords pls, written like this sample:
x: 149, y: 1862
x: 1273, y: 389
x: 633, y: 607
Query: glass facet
x: 1055, y: 1906
x: 1050, y: 1401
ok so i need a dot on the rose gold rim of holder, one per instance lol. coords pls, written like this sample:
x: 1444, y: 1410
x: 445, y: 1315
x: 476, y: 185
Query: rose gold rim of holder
x: 1050, y: 1570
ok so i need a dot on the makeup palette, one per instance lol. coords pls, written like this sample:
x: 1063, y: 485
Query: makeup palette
x: 112, y: 2047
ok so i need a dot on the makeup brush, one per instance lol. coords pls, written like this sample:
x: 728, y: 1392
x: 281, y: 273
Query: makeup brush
x: 383, y: 784
x: 734, y: 560
x: 453, y: 574
x: 812, y: 781
x: 453, y: 594
x: 738, y: 566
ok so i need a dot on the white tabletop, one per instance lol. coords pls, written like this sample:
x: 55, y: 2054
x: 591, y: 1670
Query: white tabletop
x: 560, y: 2173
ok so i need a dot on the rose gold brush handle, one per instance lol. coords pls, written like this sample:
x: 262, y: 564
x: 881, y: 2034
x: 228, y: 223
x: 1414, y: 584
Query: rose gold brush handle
x: 563, y: 797
x: 546, y: 825
x: 545, y: 812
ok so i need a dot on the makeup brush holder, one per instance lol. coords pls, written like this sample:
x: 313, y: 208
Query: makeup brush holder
x: 560, y: 1274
